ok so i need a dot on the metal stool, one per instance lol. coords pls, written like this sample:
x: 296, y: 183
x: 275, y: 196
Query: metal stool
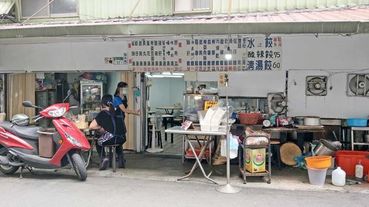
x: 113, y: 155
x: 275, y: 145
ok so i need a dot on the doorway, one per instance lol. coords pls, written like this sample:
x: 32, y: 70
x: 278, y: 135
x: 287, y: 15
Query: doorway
x: 164, y: 98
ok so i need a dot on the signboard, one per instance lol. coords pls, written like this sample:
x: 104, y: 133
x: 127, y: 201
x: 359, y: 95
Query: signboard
x: 117, y: 60
x: 153, y: 55
x: 222, y: 80
x: 202, y: 54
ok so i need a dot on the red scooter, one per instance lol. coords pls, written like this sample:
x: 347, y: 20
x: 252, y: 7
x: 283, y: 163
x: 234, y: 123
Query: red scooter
x: 19, y: 143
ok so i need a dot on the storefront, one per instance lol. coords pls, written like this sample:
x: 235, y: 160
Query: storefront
x: 290, y: 75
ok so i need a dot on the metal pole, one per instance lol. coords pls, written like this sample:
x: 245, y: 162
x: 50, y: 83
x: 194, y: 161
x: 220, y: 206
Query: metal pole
x: 228, y: 188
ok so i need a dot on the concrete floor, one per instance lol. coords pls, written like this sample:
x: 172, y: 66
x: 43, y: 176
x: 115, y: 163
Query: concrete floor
x: 158, y: 168
x: 99, y: 191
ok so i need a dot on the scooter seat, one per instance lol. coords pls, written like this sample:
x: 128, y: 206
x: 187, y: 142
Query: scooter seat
x: 26, y: 132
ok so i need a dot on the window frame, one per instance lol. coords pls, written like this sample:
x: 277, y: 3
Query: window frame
x: 50, y: 15
x: 192, y: 11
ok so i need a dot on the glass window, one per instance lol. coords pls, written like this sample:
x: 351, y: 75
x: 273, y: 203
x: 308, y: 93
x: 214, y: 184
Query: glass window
x: 30, y: 7
x: 57, y: 7
x: 186, y: 6
x: 200, y: 4
x: 63, y: 7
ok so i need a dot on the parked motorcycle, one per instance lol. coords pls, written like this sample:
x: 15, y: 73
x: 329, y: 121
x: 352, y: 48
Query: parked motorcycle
x: 19, y: 142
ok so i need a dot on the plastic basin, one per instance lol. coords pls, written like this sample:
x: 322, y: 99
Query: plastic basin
x: 317, y: 176
x: 250, y: 118
x: 348, y: 159
x: 355, y: 122
x: 318, y: 162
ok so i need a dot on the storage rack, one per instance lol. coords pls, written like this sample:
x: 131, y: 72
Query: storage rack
x: 267, y: 175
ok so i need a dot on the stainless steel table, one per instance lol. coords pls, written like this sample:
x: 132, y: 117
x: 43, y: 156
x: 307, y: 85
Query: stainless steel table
x: 186, y: 134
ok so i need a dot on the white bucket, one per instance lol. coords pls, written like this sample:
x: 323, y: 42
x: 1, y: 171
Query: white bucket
x: 317, y: 176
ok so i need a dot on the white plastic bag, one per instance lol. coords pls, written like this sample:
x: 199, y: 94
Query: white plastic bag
x: 233, y: 147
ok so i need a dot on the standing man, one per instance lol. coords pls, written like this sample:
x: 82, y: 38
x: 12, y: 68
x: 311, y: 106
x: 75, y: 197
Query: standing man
x: 120, y: 103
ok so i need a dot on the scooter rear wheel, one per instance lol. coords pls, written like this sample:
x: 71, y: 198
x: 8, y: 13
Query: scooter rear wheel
x: 79, y: 166
x: 8, y: 170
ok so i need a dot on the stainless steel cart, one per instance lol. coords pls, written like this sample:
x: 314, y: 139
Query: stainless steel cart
x: 267, y: 175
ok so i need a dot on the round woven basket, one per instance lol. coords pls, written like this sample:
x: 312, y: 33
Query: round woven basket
x: 288, y: 152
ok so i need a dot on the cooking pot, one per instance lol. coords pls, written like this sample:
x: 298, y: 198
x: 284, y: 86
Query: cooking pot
x: 366, y: 140
x: 299, y: 120
x: 311, y: 120
x: 326, y: 147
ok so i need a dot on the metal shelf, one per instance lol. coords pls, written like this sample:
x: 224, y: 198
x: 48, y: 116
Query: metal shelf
x: 353, y: 129
x: 362, y: 144
x: 267, y: 174
x: 360, y: 128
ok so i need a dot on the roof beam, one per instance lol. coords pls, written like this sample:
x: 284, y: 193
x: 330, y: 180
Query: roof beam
x: 179, y: 29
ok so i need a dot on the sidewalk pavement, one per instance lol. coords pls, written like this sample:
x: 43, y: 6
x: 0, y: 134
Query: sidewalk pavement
x: 156, y: 168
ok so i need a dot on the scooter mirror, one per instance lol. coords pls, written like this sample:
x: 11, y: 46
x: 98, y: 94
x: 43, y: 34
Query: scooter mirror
x: 27, y: 104
x: 69, y: 93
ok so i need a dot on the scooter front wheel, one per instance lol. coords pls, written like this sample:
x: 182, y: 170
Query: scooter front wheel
x: 79, y: 166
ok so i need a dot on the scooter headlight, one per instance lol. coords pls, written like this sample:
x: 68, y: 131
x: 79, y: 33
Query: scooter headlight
x: 57, y: 112
x: 72, y: 140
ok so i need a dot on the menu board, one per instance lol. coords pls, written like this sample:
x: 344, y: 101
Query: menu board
x: 152, y: 55
x: 263, y: 54
x: 206, y: 54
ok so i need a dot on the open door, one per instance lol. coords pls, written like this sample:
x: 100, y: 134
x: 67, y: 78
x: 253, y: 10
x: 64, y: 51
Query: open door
x: 21, y: 87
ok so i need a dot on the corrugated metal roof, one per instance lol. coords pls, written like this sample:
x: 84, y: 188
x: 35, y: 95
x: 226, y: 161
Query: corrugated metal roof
x: 6, y: 6
x: 102, y: 9
x: 247, y: 6
x: 350, y: 20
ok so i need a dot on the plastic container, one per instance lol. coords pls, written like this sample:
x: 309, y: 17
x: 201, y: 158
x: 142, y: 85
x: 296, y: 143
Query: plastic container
x: 348, y: 159
x: 355, y: 122
x: 359, y: 171
x: 338, y: 177
x: 319, y: 162
x: 317, y: 176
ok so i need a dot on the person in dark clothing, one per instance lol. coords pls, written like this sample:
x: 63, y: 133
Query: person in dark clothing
x: 120, y: 104
x: 106, y: 120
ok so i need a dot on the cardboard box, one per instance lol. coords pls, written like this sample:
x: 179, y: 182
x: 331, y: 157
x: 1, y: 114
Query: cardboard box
x: 255, y: 160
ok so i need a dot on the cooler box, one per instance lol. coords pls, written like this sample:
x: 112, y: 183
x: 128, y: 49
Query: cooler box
x: 348, y: 159
x: 46, y: 144
x: 255, y: 160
